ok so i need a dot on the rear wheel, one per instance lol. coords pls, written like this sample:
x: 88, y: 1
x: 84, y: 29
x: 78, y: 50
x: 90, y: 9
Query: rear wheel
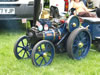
x: 78, y: 43
x: 97, y: 44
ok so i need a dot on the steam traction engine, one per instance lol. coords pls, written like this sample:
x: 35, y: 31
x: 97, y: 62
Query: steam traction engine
x: 47, y: 36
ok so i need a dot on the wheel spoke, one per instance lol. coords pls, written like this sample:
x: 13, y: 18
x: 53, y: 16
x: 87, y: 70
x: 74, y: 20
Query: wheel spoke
x: 84, y: 34
x: 83, y: 39
x: 80, y: 36
x: 76, y: 52
x: 30, y: 51
x: 74, y: 45
x: 45, y: 60
x: 23, y: 54
x: 27, y: 44
x: 78, y: 39
x: 41, y: 61
x: 40, y: 47
x: 27, y: 54
x: 83, y: 50
x: 80, y: 53
x: 27, y: 48
x: 37, y: 57
x: 46, y: 47
x: 37, y: 53
x: 85, y: 47
x: 22, y: 43
x: 48, y: 56
x: 20, y: 51
x: 20, y: 46
x: 47, y: 50
x: 85, y: 44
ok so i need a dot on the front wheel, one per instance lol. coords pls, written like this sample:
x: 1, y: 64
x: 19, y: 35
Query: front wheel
x: 21, y: 48
x: 78, y: 43
x: 43, y: 53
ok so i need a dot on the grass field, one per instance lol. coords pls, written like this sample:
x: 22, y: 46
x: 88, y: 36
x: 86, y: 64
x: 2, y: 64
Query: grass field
x: 61, y: 65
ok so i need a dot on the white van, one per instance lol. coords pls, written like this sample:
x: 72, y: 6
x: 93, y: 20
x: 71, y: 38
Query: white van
x: 16, y: 9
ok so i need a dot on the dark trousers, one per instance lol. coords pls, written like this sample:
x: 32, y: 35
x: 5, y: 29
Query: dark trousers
x: 54, y: 12
x: 86, y: 14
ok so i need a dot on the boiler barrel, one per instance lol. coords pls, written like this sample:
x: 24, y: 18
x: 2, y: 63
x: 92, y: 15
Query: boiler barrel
x: 51, y: 35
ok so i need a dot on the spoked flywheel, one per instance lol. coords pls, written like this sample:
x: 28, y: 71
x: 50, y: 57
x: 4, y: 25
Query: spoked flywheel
x: 78, y: 43
x: 73, y: 23
x: 43, y: 53
x: 21, y: 48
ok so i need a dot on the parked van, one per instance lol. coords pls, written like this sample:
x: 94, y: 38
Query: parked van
x: 16, y: 9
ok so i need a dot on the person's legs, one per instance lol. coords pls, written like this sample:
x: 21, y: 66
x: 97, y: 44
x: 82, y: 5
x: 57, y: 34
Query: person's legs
x: 86, y: 14
x: 83, y: 14
x: 98, y: 12
x: 52, y: 11
x: 56, y: 13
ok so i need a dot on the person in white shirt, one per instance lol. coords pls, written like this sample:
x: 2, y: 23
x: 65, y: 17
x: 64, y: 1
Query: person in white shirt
x: 81, y: 9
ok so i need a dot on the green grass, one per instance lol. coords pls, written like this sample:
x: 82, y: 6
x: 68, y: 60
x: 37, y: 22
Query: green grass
x: 61, y: 65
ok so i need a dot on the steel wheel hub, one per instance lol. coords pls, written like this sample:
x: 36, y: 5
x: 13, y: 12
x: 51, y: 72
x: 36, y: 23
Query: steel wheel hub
x: 74, y: 24
x: 44, y: 54
x: 80, y: 45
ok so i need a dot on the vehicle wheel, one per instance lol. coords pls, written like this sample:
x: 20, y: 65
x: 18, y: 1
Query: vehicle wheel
x: 43, y: 53
x: 98, y: 12
x: 78, y: 43
x: 97, y: 45
x: 73, y: 23
x: 21, y: 48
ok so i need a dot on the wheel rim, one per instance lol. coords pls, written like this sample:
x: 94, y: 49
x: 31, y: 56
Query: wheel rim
x: 44, y: 54
x: 81, y: 45
x: 22, y: 48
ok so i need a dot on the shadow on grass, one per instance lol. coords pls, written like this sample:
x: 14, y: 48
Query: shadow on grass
x: 11, y: 26
x: 93, y: 47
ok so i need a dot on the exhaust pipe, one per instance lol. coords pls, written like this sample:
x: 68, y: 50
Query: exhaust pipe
x: 36, y: 11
